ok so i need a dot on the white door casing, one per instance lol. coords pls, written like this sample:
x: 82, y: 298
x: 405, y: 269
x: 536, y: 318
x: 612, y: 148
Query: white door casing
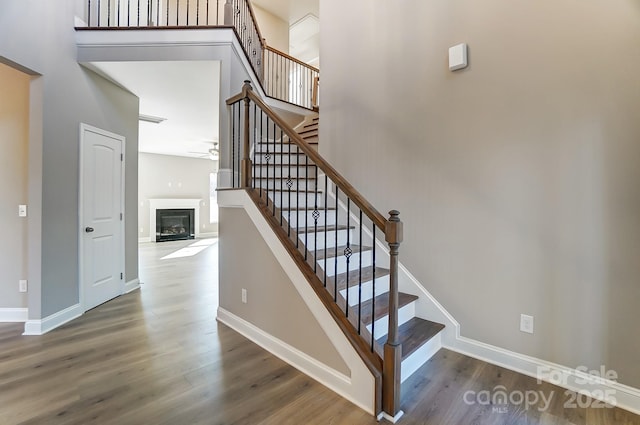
x: 101, y: 213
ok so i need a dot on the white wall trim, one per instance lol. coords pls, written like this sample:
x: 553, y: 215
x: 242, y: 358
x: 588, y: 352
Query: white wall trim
x: 9, y: 315
x: 49, y: 323
x: 322, y: 373
x: 626, y: 397
x: 131, y: 286
x: 361, y: 388
x: 209, y: 235
x: 144, y: 240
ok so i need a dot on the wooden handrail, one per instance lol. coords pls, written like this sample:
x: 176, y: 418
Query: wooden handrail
x: 378, y: 219
x: 291, y: 58
x: 389, y: 386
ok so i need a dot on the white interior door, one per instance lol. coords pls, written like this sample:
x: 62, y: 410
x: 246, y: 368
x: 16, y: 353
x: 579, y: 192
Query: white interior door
x: 101, y: 216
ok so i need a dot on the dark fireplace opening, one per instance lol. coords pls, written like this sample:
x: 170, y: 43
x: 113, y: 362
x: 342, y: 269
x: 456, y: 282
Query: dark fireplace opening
x: 175, y: 224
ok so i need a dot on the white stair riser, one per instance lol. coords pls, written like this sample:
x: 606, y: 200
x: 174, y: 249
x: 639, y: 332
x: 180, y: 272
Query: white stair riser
x: 286, y: 171
x: 278, y: 147
x: 420, y: 357
x: 296, y: 184
x: 405, y: 314
x: 382, y: 286
x: 295, y: 217
x: 339, y: 263
x: 313, y: 243
x: 276, y: 158
x: 295, y: 199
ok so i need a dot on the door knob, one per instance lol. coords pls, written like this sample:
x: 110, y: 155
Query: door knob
x: 88, y: 229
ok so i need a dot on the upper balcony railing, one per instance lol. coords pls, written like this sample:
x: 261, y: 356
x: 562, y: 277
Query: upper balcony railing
x: 282, y: 77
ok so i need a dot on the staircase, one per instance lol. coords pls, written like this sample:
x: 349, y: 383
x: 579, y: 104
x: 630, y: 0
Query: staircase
x: 308, y: 130
x: 328, y: 255
x: 337, y: 238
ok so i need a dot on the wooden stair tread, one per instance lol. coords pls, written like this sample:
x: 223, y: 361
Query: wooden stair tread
x: 323, y: 228
x: 283, y: 178
x: 308, y: 131
x: 264, y: 189
x: 355, y: 275
x: 320, y: 209
x: 302, y: 164
x: 320, y: 253
x: 382, y: 306
x: 284, y: 142
x: 413, y: 334
x: 313, y: 124
x: 278, y: 153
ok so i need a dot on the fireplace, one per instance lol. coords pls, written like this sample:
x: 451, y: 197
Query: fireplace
x: 175, y: 224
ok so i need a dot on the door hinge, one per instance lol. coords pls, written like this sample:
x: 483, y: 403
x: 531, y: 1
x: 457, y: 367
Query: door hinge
x: 121, y: 157
x: 120, y: 216
x: 121, y: 276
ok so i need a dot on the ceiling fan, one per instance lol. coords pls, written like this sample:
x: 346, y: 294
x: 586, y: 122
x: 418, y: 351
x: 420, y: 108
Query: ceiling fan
x: 212, y: 153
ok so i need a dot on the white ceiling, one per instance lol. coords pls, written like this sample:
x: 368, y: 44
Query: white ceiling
x: 186, y: 93
x: 290, y: 11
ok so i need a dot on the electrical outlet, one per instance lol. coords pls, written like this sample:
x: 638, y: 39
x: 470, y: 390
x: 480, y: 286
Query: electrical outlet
x: 23, y: 285
x: 526, y: 323
x: 244, y: 296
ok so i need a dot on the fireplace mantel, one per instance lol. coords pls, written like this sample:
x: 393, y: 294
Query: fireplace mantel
x: 161, y: 204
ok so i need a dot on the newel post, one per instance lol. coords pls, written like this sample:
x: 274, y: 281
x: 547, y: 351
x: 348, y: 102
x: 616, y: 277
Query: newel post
x: 245, y: 167
x: 392, y: 348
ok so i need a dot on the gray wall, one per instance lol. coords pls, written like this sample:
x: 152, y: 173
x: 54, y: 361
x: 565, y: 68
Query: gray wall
x: 273, y: 29
x: 517, y: 178
x: 69, y: 95
x: 175, y: 177
x: 14, y: 139
x: 273, y: 304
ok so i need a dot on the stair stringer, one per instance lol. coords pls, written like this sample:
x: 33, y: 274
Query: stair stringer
x: 360, y: 387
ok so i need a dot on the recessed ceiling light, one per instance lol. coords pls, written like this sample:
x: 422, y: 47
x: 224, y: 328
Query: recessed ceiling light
x: 151, y: 118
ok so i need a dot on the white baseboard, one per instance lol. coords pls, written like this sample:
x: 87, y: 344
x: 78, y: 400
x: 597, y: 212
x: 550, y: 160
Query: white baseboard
x: 392, y: 419
x: 625, y: 397
x: 41, y: 327
x: 9, y: 315
x: 131, y: 286
x: 144, y: 240
x: 322, y: 373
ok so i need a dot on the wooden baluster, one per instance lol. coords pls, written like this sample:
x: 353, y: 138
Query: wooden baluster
x: 245, y: 168
x: 392, y: 348
x: 314, y: 94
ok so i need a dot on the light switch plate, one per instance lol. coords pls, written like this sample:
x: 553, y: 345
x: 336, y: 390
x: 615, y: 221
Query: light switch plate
x: 458, y: 57
x: 22, y: 210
